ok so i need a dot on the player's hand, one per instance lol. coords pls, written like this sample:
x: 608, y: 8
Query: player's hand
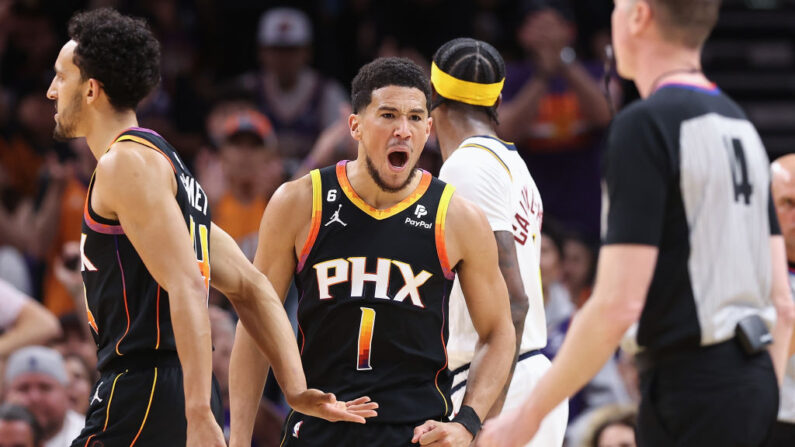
x: 508, y: 429
x: 203, y: 430
x: 442, y: 434
x: 313, y: 402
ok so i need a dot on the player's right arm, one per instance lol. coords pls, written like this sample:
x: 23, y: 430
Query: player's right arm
x: 287, y: 214
x: 285, y: 223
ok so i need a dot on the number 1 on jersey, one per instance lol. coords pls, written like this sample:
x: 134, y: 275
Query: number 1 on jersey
x: 365, y: 339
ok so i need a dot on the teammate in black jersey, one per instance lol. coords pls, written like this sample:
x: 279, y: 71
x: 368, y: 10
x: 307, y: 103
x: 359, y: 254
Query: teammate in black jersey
x: 146, y: 226
x: 692, y: 251
x: 374, y: 245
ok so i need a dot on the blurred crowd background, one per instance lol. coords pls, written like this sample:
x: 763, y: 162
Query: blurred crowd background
x: 255, y: 93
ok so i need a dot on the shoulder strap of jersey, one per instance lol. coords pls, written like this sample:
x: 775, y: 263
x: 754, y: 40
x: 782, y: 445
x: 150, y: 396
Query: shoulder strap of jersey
x: 439, y: 228
x: 317, y: 214
x: 148, y: 138
x: 480, y: 144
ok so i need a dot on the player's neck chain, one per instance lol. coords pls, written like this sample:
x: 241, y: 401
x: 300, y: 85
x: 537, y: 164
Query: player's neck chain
x: 656, y: 83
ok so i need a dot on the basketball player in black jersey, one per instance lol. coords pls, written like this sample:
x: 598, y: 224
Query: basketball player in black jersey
x: 146, y: 226
x: 374, y: 245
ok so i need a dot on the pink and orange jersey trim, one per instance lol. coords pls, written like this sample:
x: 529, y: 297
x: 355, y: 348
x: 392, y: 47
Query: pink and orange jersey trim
x: 441, y: 219
x: 342, y: 177
x: 317, y: 214
x: 91, y: 222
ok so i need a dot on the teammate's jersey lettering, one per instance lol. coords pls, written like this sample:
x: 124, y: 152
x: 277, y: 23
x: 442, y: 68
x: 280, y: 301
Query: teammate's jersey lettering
x: 336, y: 271
x: 196, y: 196
x: 202, y: 251
x: 85, y: 263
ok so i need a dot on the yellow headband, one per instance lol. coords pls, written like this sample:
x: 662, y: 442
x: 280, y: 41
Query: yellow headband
x: 465, y: 91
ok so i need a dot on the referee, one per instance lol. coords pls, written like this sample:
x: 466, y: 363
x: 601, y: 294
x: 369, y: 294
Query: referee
x: 693, y: 251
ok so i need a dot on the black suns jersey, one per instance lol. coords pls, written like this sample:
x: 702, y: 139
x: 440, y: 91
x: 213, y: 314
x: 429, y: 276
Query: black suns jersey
x: 374, y: 288
x: 127, y: 310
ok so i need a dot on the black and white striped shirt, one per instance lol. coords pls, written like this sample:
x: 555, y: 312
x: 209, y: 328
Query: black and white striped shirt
x: 686, y: 171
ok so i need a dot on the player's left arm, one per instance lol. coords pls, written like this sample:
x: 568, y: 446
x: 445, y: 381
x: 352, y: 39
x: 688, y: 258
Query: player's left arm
x: 264, y: 318
x: 472, y: 247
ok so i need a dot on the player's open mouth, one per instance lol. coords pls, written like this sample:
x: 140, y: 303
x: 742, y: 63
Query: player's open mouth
x: 398, y: 159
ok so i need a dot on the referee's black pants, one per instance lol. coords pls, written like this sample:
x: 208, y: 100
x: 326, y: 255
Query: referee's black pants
x: 712, y: 396
x: 783, y: 435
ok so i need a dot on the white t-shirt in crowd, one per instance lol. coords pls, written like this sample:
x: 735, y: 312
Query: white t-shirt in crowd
x: 11, y: 302
x: 72, y: 425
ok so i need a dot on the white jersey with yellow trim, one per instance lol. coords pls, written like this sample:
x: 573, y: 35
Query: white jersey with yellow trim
x: 490, y: 173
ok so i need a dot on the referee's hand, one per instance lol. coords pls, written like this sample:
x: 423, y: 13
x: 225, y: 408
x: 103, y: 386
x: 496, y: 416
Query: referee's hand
x: 313, y: 402
x: 509, y: 429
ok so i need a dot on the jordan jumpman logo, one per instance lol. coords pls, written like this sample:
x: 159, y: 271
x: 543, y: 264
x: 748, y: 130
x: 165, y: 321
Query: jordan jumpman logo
x: 336, y: 218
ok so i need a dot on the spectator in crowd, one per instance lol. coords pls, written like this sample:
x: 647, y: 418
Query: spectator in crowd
x: 77, y: 338
x: 81, y: 380
x: 612, y: 426
x: 36, y: 378
x: 13, y: 267
x: 554, y: 109
x: 267, y: 425
x: 578, y: 266
x: 299, y: 101
x: 28, y: 156
x: 18, y: 428
x: 783, y: 193
x: 557, y: 301
x: 62, y: 228
x: 23, y: 321
x: 252, y: 170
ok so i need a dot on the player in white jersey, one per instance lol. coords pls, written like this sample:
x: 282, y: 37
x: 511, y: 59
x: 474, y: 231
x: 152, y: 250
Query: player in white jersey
x: 783, y: 189
x: 467, y: 77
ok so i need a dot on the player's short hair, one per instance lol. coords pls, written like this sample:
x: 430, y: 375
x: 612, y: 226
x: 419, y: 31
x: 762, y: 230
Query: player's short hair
x: 473, y: 61
x: 384, y: 72
x: 13, y: 413
x: 118, y: 51
x: 689, y: 22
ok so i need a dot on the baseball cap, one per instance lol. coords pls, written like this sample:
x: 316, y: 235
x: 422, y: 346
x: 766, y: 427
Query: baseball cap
x: 562, y: 7
x: 36, y: 359
x: 284, y: 27
x: 247, y: 121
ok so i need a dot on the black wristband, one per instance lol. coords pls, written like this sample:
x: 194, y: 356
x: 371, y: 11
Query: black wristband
x: 469, y: 419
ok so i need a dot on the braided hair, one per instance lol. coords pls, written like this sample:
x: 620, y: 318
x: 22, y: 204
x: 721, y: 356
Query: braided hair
x: 470, y: 60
